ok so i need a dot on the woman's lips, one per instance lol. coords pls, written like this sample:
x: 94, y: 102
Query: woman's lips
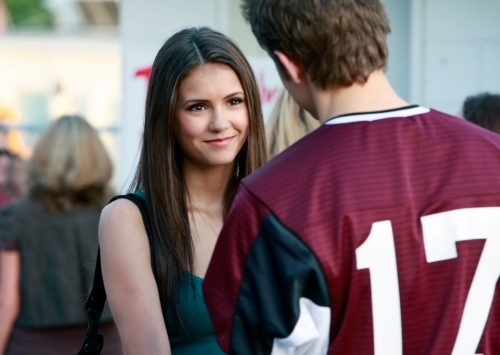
x: 220, y: 143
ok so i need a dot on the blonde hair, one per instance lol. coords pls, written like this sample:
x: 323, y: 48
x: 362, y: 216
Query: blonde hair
x: 70, y: 166
x: 287, y: 124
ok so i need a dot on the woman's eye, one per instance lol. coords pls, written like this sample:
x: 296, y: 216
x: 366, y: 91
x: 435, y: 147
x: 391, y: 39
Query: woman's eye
x: 197, y: 107
x: 235, y: 101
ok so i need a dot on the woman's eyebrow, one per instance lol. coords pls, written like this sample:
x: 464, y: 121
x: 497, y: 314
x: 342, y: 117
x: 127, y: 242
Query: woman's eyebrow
x: 205, y: 100
x: 195, y: 100
x: 233, y: 94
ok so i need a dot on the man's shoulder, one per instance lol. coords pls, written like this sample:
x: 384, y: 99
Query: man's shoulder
x: 294, y: 158
x: 457, y: 128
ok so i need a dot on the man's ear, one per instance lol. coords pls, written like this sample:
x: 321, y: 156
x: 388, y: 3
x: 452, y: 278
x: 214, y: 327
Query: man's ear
x: 292, y: 66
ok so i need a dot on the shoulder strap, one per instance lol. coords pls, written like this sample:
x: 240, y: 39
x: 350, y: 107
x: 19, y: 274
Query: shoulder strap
x: 93, y: 342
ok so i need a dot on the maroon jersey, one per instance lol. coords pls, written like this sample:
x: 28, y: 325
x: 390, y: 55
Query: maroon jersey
x: 378, y: 233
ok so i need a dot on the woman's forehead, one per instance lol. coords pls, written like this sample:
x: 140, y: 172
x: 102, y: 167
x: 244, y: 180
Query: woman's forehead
x: 211, y: 80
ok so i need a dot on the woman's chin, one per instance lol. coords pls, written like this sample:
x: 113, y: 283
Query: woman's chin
x: 220, y: 159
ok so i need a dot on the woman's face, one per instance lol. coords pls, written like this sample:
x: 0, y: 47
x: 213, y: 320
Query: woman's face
x: 212, y: 116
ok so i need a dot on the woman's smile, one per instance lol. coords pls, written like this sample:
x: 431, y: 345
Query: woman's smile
x: 220, y: 142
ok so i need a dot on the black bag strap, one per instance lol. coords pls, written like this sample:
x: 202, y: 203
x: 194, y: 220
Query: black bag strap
x: 93, y: 342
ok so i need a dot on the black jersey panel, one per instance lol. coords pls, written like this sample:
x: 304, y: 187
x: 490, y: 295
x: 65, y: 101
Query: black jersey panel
x: 280, y: 269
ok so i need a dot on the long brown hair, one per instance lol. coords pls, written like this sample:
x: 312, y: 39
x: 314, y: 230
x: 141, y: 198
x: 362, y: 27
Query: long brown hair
x: 159, y: 174
x: 70, y: 167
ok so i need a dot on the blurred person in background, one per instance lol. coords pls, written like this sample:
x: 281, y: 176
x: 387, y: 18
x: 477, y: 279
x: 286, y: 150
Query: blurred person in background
x: 4, y: 166
x: 16, y: 183
x: 203, y: 133
x: 49, y: 242
x: 484, y: 110
x: 11, y: 177
x: 3, y: 137
x: 287, y: 124
x: 6, y: 195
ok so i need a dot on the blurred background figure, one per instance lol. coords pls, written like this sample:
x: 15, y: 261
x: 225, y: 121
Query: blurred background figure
x: 4, y: 175
x: 48, y: 244
x: 3, y: 137
x: 16, y: 183
x: 12, y: 154
x: 11, y: 177
x: 11, y: 169
x: 287, y: 124
x: 484, y: 110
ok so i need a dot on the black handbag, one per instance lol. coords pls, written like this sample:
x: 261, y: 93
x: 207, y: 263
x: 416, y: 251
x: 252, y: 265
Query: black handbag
x: 93, y: 342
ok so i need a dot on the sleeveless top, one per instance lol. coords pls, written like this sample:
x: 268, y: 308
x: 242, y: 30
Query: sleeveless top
x: 200, y: 336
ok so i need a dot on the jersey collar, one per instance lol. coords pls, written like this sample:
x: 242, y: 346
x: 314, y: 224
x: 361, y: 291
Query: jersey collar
x: 406, y: 111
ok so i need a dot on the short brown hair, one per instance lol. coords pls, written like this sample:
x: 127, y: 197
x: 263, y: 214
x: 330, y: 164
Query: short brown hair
x: 339, y: 42
x: 70, y: 166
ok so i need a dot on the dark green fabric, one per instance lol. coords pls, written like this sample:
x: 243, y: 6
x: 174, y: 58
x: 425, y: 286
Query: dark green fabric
x: 198, y: 336
x: 58, y: 252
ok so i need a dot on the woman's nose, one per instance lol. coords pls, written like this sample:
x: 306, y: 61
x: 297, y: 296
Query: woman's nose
x: 219, y: 120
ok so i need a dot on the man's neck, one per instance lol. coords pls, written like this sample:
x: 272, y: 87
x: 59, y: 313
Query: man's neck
x: 374, y: 95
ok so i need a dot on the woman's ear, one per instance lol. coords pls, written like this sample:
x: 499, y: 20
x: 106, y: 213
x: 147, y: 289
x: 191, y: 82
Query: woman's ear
x: 292, y: 66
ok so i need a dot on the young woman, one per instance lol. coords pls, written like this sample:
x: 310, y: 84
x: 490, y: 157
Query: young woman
x: 203, y: 133
x: 48, y: 243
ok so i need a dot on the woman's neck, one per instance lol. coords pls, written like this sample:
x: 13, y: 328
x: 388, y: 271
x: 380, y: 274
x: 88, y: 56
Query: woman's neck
x: 206, y: 186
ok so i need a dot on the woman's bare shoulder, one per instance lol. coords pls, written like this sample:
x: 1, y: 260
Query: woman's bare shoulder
x: 120, y: 208
x: 121, y: 219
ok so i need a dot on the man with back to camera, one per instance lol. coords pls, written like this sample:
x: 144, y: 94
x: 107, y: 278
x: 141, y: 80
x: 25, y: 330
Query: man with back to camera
x: 378, y: 233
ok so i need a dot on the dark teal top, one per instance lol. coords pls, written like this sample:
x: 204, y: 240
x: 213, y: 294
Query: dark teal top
x: 200, y: 338
x: 199, y: 335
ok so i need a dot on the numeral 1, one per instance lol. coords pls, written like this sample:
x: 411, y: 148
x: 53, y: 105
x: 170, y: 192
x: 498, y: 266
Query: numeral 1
x: 378, y: 255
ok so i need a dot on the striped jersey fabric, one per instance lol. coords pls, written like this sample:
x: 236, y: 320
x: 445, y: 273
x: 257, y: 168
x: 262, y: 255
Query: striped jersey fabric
x: 378, y: 233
